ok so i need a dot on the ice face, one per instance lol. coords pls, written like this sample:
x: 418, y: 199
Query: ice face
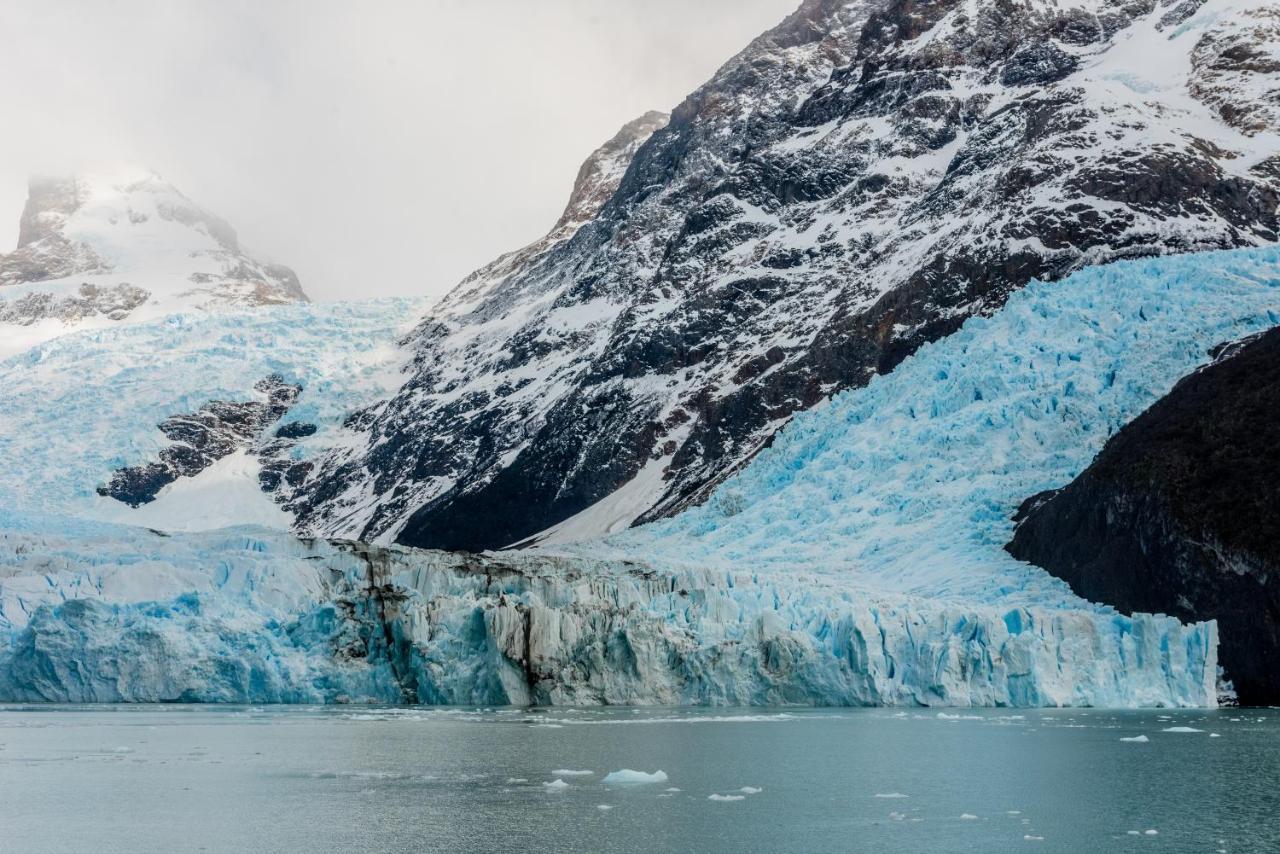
x: 92, y: 615
x: 94, y: 612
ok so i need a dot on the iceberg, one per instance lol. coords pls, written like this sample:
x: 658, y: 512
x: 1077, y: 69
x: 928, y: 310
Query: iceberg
x: 627, y: 777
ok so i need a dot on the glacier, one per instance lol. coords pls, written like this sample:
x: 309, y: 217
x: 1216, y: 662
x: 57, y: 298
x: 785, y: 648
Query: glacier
x: 93, y: 613
x: 858, y: 560
x: 910, y: 484
x: 74, y: 409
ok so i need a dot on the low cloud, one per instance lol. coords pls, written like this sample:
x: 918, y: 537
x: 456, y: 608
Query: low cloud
x: 383, y: 148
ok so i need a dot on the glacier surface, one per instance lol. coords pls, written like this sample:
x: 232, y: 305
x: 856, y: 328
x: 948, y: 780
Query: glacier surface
x: 856, y: 561
x: 909, y: 485
x: 74, y: 409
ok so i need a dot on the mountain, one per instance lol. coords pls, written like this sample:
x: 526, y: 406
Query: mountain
x: 95, y: 250
x: 855, y: 184
x: 1180, y: 513
x: 187, y: 377
x: 820, y: 333
x: 597, y: 181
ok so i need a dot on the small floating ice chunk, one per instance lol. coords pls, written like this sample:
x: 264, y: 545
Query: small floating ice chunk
x: 891, y: 795
x: 671, y: 789
x: 750, y: 790
x: 1013, y: 812
x: 1181, y: 729
x: 1152, y: 832
x: 568, y: 772
x: 968, y: 816
x: 726, y: 797
x: 635, y: 778
x: 513, y: 780
x: 897, y: 816
x: 1137, y: 739
x: 1214, y: 735
x: 1134, y: 832
x: 1029, y: 838
x: 555, y: 786
x: 603, y: 807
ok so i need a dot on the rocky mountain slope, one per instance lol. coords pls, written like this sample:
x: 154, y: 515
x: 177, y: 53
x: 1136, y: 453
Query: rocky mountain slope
x: 1180, y: 513
x: 854, y: 184
x: 95, y: 250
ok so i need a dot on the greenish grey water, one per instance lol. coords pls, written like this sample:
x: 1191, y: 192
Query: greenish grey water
x: 181, y: 778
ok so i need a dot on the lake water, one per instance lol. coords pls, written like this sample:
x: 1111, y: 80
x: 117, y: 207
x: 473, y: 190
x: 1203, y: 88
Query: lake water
x: 181, y: 778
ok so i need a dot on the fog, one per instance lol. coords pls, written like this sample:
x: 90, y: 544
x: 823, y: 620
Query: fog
x: 382, y: 148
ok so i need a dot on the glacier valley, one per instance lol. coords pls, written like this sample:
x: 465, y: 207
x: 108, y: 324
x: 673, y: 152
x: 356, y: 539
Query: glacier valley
x: 856, y: 561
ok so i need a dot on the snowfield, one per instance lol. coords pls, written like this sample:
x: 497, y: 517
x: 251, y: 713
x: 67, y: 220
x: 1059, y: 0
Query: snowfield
x: 857, y: 561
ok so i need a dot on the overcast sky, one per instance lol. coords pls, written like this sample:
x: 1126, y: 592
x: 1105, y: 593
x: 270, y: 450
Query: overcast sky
x: 379, y: 148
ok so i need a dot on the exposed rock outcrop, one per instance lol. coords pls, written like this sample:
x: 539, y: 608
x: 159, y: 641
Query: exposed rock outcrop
x: 218, y: 429
x: 1180, y: 513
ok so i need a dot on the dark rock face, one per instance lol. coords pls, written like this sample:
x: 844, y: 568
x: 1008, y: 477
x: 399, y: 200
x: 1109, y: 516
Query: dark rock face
x: 1038, y: 65
x: 1180, y: 514
x: 216, y: 430
x: 854, y: 184
x: 295, y: 430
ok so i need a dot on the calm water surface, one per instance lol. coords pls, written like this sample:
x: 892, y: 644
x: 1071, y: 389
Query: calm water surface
x: 169, y: 779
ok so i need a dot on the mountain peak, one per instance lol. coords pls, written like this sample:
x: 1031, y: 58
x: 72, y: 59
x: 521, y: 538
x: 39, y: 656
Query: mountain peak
x: 125, y: 243
x: 850, y: 187
x: 601, y: 173
x: 598, y: 179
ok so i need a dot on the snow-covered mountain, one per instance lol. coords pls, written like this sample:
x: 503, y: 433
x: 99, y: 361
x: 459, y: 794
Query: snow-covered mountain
x: 96, y: 250
x: 856, y: 183
x: 821, y: 331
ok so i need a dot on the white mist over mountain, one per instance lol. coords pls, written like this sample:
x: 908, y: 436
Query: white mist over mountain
x: 379, y: 149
